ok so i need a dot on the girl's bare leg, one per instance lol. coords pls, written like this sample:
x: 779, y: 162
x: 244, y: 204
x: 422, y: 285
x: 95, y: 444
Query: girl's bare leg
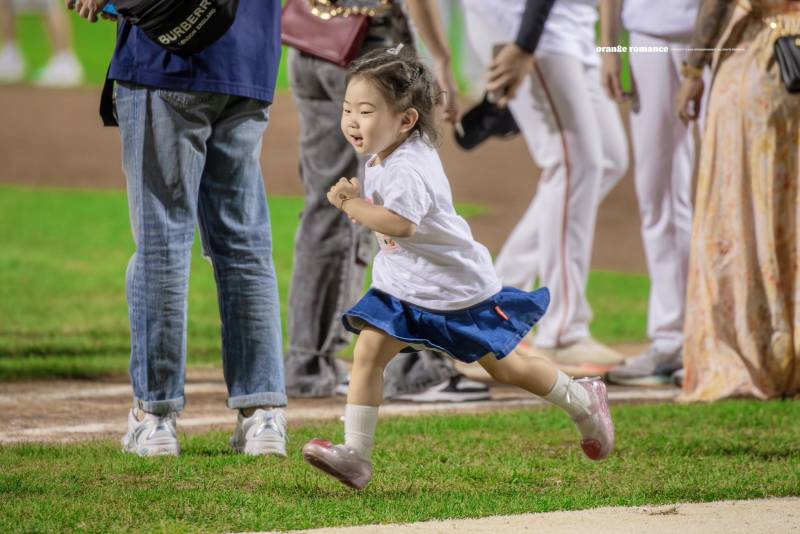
x: 373, y: 352
x: 537, y: 375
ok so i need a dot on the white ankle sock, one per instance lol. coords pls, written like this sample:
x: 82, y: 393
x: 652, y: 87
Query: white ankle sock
x: 568, y: 396
x: 359, y: 428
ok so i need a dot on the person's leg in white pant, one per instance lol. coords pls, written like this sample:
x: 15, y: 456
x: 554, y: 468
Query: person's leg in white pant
x: 561, y: 115
x: 559, y: 124
x: 517, y: 259
x: 517, y: 262
x: 614, y: 154
x: 664, y: 152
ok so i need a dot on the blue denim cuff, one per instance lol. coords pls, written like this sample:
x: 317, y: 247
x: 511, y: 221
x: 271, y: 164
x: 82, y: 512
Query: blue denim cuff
x: 274, y: 399
x: 161, y: 407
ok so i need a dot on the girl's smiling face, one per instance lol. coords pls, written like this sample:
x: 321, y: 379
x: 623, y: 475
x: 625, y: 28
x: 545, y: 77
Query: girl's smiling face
x: 369, y: 123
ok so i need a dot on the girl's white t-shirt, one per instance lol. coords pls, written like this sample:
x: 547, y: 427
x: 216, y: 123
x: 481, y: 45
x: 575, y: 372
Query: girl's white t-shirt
x: 440, y: 267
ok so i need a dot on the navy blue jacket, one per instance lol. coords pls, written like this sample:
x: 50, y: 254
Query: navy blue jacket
x: 243, y: 62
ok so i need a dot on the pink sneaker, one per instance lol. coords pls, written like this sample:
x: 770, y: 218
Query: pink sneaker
x: 596, y: 426
x: 339, y: 461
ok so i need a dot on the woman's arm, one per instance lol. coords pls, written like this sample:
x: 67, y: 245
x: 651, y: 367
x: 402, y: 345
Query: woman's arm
x: 425, y: 16
x: 711, y: 20
x: 610, y: 22
x: 610, y: 28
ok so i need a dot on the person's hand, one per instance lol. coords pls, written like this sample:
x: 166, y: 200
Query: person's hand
x: 507, y: 71
x: 88, y: 9
x: 343, y: 190
x: 611, y: 81
x: 447, y: 84
x: 633, y: 95
x: 690, y: 95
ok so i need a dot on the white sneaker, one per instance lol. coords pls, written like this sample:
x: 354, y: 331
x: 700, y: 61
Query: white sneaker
x: 152, y: 436
x: 595, y: 426
x: 586, y: 357
x: 650, y: 368
x: 63, y: 70
x: 12, y: 68
x: 455, y: 389
x: 264, y: 432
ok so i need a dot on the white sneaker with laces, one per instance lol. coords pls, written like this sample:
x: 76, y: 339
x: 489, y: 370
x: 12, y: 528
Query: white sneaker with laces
x: 456, y: 389
x: 264, y: 432
x: 63, y: 70
x: 154, y: 435
x: 12, y: 68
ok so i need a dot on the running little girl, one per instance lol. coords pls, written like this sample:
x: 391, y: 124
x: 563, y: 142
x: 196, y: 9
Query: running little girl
x: 433, y: 285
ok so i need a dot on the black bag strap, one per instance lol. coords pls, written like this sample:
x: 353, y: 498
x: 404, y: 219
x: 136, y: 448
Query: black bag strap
x: 107, y: 112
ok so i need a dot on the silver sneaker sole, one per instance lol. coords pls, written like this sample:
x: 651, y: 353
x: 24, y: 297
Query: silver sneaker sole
x: 261, y: 448
x: 153, y: 448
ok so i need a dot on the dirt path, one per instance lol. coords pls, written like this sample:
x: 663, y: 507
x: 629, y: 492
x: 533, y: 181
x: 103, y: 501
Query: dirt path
x: 78, y: 410
x: 767, y: 516
x: 54, y: 138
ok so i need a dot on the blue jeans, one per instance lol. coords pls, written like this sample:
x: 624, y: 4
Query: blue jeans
x: 189, y: 159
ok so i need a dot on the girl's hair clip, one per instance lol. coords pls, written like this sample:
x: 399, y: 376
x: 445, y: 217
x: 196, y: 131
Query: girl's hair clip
x: 396, y: 50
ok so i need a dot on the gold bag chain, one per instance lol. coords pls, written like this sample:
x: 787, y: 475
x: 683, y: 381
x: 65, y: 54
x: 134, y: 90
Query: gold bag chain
x: 326, y: 9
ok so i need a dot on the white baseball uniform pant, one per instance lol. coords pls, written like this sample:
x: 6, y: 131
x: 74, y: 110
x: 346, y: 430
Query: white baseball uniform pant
x: 575, y: 135
x: 664, y: 156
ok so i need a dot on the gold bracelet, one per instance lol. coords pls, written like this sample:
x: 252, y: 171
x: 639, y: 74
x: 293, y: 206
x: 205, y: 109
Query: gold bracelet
x: 688, y: 71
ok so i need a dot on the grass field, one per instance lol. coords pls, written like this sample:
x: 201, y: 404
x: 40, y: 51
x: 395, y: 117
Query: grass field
x: 63, y: 255
x: 426, y: 468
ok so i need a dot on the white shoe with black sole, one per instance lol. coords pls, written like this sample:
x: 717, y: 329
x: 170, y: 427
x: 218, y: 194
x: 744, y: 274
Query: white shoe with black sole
x: 455, y: 389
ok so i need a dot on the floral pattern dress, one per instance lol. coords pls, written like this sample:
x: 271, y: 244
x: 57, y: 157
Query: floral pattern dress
x: 742, y: 331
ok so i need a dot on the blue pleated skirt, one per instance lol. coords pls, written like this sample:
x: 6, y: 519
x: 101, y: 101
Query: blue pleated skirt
x: 494, y: 326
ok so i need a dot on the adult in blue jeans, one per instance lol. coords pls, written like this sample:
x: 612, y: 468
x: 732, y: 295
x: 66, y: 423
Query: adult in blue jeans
x: 191, y: 130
